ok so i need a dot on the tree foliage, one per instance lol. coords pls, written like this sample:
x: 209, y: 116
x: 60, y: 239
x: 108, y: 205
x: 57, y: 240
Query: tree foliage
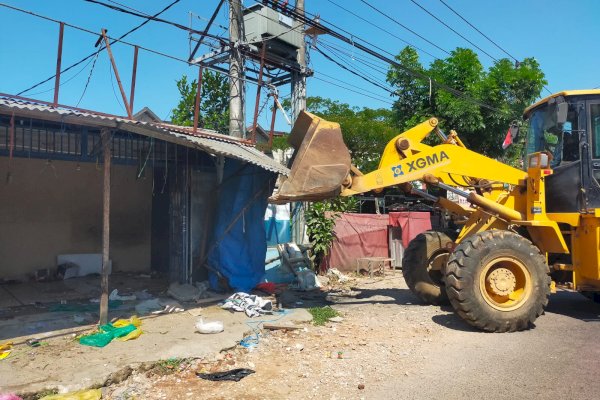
x: 504, y: 86
x: 214, y: 106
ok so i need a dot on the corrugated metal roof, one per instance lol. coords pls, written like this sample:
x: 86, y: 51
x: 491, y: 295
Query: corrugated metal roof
x: 206, y: 140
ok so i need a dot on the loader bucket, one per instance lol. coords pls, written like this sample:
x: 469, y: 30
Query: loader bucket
x: 320, y: 164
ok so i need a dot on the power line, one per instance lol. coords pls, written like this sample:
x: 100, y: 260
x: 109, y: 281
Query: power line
x: 351, y: 90
x: 289, y: 12
x: 484, y: 35
x: 340, y: 57
x: 381, y: 29
x: 453, y: 30
x: 65, y: 81
x: 113, y: 40
x: 155, y: 18
x: 474, y: 27
x: 354, y: 72
x: 82, y: 29
x: 404, y: 26
x: 88, y: 79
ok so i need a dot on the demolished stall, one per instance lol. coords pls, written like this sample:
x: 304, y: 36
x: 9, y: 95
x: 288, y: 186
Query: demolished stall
x: 180, y: 201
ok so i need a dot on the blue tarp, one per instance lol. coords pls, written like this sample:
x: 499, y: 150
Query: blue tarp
x: 239, y: 248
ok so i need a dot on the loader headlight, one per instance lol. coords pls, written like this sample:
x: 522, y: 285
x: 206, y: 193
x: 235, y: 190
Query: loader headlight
x: 539, y: 160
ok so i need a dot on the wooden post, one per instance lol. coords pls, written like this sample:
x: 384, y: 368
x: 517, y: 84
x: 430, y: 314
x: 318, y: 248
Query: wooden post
x: 198, y: 94
x: 133, y: 76
x: 106, y: 142
x: 61, y: 31
x: 116, y: 71
x: 258, y: 89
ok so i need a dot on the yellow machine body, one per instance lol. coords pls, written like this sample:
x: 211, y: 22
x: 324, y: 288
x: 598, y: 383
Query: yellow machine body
x: 504, y: 197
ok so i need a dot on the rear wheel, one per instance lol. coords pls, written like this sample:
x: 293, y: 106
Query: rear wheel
x: 498, y: 281
x: 423, y: 263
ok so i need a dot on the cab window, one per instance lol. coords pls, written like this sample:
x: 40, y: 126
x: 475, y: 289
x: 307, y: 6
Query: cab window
x: 595, y: 120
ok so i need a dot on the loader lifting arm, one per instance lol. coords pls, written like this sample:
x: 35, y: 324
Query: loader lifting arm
x: 321, y: 167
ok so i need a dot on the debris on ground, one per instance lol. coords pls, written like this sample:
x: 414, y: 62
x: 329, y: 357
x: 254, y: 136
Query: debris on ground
x: 122, y: 329
x: 336, y: 274
x: 209, y: 327
x: 184, y: 292
x: 5, y: 350
x: 267, y: 287
x: 252, y: 305
x: 83, y: 308
x: 92, y: 394
x: 307, y: 280
x: 10, y: 396
x: 158, y: 306
x: 114, y: 295
x: 233, y: 375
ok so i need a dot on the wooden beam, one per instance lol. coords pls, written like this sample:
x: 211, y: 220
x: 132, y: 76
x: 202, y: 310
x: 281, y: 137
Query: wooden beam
x: 106, y: 143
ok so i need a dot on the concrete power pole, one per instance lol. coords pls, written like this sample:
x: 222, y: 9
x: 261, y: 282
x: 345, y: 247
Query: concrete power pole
x: 237, y: 87
x: 299, y: 104
x: 298, y: 78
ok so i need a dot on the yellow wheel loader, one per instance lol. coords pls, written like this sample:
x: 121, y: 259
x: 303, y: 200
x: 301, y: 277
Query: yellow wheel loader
x: 521, y: 229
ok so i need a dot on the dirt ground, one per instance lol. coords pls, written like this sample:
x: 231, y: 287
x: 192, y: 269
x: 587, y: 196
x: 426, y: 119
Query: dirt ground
x: 390, y: 346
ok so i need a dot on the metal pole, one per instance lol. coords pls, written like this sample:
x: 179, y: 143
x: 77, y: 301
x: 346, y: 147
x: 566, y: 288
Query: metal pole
x: 198, y: 96
x: 133, y: 76
x: 106, y: 142
x: 273, y: 119
x: 258, y: 87
x: 114, y: 65
x: 298, y: 78
x: 236, y: 71
x: 61, y: 31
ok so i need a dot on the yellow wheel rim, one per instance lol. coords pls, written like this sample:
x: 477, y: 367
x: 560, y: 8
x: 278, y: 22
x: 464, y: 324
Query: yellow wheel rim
x: 505, y: 283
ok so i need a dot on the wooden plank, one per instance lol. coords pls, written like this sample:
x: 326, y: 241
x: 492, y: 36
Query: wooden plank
x: 106, y: 141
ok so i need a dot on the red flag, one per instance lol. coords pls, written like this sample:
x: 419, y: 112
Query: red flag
x: 508, y: 140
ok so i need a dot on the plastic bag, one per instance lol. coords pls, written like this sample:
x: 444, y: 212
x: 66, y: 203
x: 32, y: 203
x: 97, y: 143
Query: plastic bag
x: 234, y: 375
x: 209, y: 327
x: 92, y: 394
x: 5, y: 350
x: 122, y: 330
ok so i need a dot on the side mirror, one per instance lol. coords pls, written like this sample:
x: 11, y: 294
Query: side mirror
x: 556, y: 114
x: 561, y: 113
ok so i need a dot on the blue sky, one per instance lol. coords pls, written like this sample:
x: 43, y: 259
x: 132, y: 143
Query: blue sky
x: 562, y: 36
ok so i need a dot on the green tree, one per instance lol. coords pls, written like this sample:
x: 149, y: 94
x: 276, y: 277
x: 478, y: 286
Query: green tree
x: 508, y: 89
x: 214, y: 106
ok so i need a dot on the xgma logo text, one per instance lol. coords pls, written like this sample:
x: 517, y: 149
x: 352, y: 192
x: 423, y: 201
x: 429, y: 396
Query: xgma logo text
x: 420, y: 163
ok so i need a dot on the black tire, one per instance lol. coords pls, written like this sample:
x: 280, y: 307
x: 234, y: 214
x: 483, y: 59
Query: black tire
x: 476, y: 259
x: 428, y: 285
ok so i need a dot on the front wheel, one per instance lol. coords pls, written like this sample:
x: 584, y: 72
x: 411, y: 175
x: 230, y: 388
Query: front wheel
x: 422, y: 265
x: 498, y: 281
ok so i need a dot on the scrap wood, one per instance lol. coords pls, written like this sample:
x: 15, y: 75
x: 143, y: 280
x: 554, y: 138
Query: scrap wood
x: 275, y: 327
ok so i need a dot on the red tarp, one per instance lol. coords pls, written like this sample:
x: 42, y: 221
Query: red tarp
x: 366, y: 235
x: 412, y: 223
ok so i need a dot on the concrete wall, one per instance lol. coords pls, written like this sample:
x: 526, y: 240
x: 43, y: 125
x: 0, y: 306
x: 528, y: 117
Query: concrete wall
x: 55, y: 208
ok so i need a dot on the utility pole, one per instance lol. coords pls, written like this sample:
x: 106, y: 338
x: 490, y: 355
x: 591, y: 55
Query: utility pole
x: 299, y: 104
x: 237, y: 87
x: 299, y: 78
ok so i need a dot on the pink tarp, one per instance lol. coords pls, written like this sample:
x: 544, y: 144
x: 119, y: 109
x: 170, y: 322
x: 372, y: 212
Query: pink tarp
x: 366, y: 235
x: 412, y: 223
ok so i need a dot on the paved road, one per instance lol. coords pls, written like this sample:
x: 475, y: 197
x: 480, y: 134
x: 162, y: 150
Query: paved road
x: 558, y: 359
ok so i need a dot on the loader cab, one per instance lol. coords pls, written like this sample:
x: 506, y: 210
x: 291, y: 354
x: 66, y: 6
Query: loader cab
x: 567, y: 125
